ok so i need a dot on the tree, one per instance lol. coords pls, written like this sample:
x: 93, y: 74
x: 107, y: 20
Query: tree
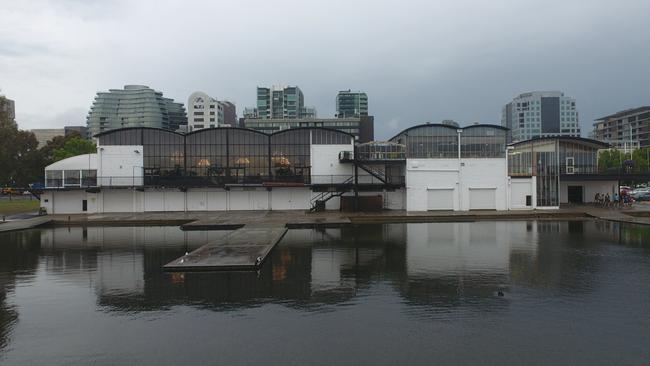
x: 74, y: 146
x: 640, y: 158
x: 20, y: 159
x: 608, y: 159
x: 56, y: 143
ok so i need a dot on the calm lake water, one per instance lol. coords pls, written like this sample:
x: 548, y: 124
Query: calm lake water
x: 574, y: 293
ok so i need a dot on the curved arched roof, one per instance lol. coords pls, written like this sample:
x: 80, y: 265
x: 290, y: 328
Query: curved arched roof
x: 224, y: 128
x: 311, y: 128
x: 78, y: 162
x: 564, y: 138
x: 136, y: 128
x: 204, y: 130
x: 424, y: 125
x: 485, y: 125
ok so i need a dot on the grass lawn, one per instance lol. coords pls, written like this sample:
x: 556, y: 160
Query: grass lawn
x: 18, y: 206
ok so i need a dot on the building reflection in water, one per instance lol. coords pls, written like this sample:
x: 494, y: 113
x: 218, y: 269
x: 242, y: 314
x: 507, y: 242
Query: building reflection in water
x: 18, y: 262
x: 437, y: 267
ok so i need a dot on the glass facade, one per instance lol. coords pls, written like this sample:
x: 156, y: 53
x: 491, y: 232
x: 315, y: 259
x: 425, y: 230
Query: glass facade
x: 70, y: 178
x: 290, y: 154
x: 226, y: 155
x: 576, y: 158
x: 429, y: 141
x: 440, y: 141
x: 483, y: 142
x: 54, y: 178
x: 379, y: 150
x: 550, y: 158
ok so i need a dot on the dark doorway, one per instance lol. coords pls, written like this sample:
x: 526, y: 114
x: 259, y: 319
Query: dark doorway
x: 84, y: 205
x: 575, y: 194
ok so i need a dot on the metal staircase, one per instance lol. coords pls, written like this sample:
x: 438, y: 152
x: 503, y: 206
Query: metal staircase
x: 35, y: 192
x: 317, y: 203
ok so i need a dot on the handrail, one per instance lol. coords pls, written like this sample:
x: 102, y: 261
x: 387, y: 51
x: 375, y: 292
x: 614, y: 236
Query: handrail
x: 214, y: 181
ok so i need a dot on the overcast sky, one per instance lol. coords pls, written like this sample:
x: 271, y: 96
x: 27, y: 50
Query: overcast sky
x: 417, y: 60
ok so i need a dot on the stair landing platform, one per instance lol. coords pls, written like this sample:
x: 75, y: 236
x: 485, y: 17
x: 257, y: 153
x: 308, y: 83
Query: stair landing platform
x: 244, y: 249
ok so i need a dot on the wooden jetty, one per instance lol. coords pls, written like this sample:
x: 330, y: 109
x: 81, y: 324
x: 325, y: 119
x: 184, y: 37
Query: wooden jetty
x: 244, y: 249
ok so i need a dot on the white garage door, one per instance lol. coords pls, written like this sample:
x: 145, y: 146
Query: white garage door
x: 482, y: 199
x: 440, y: 199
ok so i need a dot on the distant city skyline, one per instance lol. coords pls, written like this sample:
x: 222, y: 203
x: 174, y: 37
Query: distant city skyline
x: 55, y: 56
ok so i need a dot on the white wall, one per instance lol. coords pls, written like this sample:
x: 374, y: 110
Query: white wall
x: 458, y: 177
x: 481, y: 174
x: 197, y: 200
x: 174, y: 200
x: 589, y: 189
x: 425, y: 174
x: 519, y: 189
x: 325, y: 163
x: 251, y: 199
x: 291, y: 198
x: 217, y: 200
x: 47, y: 201
x: 118, y: 165
x: 67, y: 202
x: 154, y: 200
x: 117, y: 200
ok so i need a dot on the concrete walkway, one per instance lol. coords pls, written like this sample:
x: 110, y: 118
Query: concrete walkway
x: 23, y: 224
x: 625, y: 215
x: 230, y: 220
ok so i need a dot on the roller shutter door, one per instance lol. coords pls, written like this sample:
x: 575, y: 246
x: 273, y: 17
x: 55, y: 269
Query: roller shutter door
x: 440, y: 199
x: 482, y: 199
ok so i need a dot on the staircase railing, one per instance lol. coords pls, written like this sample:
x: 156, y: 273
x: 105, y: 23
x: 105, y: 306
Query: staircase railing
x: 317, y: 202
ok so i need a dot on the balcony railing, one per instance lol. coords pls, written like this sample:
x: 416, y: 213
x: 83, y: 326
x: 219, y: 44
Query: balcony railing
x: 217, y: 181
x: 515, y: 171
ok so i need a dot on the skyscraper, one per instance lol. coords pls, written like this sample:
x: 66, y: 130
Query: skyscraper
x: 134, y: 106
x: 351, y: 104
x: 280, y: 102
x: 541, y: 114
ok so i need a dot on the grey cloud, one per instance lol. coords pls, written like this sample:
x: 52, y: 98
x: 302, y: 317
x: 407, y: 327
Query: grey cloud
x: 418, y: 61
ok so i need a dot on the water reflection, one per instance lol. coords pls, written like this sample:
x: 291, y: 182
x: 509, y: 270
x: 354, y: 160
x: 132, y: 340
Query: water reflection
x: 18, y: 259
x: 430, y: 271
x: 426, y: 263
